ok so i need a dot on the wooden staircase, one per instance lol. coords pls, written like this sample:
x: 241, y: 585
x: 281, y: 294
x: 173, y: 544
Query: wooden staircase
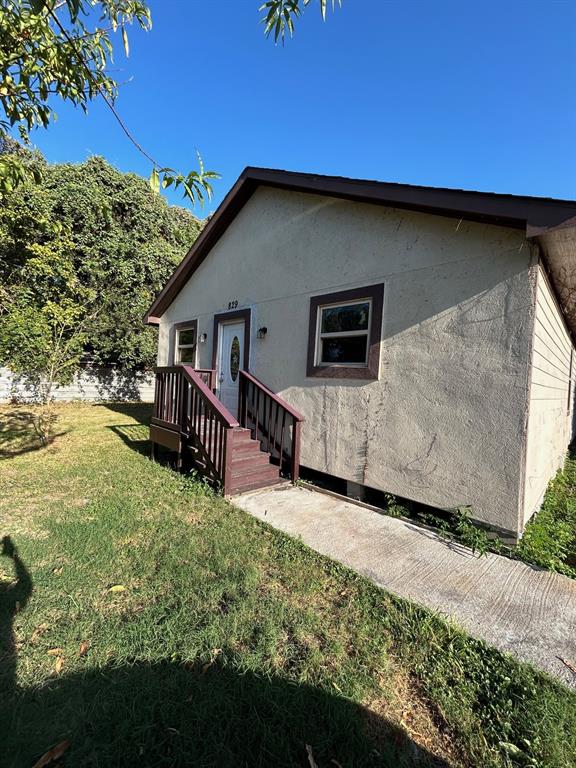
x: 250, y: 466
x: 260, y: 450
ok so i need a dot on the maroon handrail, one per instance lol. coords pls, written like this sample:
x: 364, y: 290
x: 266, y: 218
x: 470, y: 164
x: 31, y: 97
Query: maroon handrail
x: 223, y: 414
x: 184, y: 401
x: 272, y: 421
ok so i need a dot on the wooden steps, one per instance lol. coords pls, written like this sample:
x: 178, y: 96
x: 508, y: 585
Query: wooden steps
x: 190, y: 421
x: 250, y: 466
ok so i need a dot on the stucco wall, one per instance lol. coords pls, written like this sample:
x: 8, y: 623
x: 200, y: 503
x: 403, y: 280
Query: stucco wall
x: 550, y: 409
x: 444, y: 424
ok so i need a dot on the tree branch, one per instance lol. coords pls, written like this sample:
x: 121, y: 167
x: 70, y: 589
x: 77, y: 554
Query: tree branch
x: 100, y: 90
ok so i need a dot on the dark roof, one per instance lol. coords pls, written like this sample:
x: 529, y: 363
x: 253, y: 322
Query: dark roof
x: 534, y: 215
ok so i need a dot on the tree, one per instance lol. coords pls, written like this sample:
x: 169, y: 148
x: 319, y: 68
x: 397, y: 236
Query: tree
x: 105, y: 234
x: 82, y: 254
x: 63, y: 48
x: 44, y: 309
x: 53, y: 48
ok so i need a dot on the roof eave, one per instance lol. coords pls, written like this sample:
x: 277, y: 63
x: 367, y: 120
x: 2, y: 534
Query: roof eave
x: 532, y: 215
x: 211, y: 233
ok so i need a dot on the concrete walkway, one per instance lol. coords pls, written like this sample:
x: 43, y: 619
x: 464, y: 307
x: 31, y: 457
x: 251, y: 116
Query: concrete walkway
x: 514, y: 607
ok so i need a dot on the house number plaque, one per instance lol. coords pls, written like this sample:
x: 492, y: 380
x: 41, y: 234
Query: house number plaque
x: 232, y: 304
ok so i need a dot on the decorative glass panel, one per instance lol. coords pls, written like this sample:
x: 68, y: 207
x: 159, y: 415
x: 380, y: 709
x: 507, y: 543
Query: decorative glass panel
x: 186, y: 336
x: 352, y: 317
x: 187, y: 355
x: 234, y: 358
x: 344, y: 349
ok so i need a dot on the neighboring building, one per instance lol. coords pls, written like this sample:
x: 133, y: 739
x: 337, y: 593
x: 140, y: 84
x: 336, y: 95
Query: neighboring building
x: 417, y: 330
x: 90, y: 383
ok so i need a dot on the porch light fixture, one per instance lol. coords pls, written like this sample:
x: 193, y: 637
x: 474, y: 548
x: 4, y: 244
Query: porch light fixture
x: 262, y: 332
x: 203, y: 337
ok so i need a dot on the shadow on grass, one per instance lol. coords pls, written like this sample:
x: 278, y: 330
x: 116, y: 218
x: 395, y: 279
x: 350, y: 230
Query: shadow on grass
x: 140, y: 412
x: 14, y: 596
x: 20, y: 433
x: 135, y: 436
x: 174, y: 713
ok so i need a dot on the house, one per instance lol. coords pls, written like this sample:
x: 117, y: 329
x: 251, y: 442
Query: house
x: 413, y: 340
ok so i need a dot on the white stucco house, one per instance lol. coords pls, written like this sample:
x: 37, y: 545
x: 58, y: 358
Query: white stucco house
x: 413, y: 340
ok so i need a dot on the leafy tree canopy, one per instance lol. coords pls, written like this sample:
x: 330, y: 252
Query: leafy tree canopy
x: 63, y: 48
x: 82, y: 255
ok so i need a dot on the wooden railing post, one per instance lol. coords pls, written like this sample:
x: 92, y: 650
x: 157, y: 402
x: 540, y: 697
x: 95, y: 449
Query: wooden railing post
x: 227, y: 461
x: 242, y: 396
x: 295, y: 458
x: 156, y: 394
x: 183, y: 403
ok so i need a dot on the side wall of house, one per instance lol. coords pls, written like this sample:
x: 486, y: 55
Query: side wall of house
x: 551, y: 398
x: 445, y: 422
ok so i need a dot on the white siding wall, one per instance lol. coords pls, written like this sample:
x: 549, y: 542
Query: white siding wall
x: 95, y: 384
x: 445, y: 423
x: 550, y: 414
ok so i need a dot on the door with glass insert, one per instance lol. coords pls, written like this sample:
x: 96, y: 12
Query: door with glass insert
x: 230, y: 362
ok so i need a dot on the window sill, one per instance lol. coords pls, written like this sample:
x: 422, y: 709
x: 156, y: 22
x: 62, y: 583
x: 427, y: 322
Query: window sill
x: 341, y: 372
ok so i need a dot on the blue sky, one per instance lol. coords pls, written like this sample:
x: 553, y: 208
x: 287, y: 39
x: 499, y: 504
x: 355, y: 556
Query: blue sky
x: 468, y: 94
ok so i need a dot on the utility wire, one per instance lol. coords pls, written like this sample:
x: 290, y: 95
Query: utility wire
x: 101, y: 91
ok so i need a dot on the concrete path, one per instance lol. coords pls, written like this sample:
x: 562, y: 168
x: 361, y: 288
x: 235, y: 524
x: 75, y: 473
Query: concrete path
x: 526, y: 611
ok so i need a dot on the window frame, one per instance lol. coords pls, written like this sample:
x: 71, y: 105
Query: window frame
x: 370, y: 368
x: 320, y: 334
x: 222, y: 318
x: 187, y: 325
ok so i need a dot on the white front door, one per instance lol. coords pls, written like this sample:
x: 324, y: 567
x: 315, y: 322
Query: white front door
x: 230, y: 362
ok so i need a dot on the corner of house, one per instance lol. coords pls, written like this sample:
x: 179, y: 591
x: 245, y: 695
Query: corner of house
x: 533, y: 277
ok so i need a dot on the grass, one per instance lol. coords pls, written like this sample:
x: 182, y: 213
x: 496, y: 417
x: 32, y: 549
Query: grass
x: 229, y: 644
x: 550, y: 537
x: 549, y: 540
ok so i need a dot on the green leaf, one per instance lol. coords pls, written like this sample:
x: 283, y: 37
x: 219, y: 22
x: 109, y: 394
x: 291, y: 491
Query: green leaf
x: 125, y: 41
x: 154, y: 180
x: 279, y: 15
x: 37, y: 6
x: 74, y: 9
x: 510, y: 749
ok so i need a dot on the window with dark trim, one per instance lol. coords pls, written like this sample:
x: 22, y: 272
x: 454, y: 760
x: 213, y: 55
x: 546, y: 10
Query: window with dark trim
x: 345, y: 333
x: 185, y: 340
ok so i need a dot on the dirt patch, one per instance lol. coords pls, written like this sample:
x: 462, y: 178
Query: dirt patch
x: 14, y: 525
x: 405, y: 715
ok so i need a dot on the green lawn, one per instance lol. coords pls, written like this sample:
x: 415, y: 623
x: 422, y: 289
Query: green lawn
x: 230, y: 644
